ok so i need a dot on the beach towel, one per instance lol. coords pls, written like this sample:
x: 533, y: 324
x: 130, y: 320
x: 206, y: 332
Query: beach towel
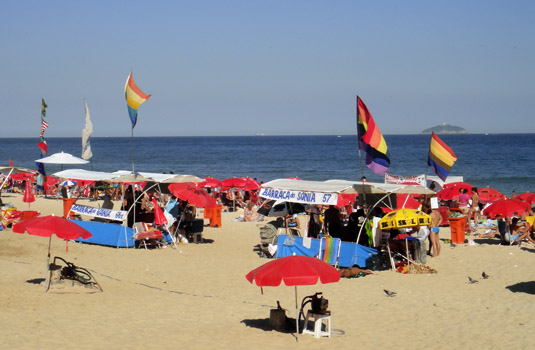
x: 330, y: 247
x: 307, y: 241
x: 328, y: 252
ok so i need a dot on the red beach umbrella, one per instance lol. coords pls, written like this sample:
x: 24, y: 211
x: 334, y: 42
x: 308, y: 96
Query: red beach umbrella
x: 210, y: 182
x: 46, y: 226
x: 295, y: 271
x: 159, y: 217
x: 28, y: 193
x: 345, y: 199
x: 193, y: 194
x: 506, y: 207
x: 244, y: 183
x: 527, y: 197
x: 489, y: 195
x: 452, y: 190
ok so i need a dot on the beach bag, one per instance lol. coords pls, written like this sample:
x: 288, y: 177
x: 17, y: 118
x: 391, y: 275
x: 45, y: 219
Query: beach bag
x: 378, y: 262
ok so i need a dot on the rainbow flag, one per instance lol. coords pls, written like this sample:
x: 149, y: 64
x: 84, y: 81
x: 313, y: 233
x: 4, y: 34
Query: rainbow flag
x: 134, y: 98
x: 441, y: 157
x: 371, y: 140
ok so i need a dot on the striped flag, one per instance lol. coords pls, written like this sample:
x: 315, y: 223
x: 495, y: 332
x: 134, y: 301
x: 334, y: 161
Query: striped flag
x: 134, y: 98
x: 441, y: 157
x: 371, y: 140
x: 44, y: 126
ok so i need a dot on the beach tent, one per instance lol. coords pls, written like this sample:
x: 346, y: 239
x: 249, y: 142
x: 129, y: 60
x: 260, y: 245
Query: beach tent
x: 107, y: 234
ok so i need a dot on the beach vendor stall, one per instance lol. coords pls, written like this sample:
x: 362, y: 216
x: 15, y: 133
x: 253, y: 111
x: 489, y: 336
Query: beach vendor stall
x: 326, y: 193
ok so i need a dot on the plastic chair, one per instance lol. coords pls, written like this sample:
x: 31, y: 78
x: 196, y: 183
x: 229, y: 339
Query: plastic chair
x: 318, y: 320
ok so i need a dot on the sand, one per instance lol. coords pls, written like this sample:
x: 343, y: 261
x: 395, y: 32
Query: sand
x: 196, y: 297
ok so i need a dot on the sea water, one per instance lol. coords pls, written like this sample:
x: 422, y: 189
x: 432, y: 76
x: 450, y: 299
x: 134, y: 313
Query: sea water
x: 502, y: 161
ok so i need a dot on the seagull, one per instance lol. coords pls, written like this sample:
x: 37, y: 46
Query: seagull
x: 389, y: 293
x: 471, y: 280
x: 484, y: 275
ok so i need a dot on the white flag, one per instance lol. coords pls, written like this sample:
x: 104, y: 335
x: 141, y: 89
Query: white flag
x: 86, y: 132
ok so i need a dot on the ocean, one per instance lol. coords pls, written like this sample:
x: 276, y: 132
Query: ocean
x: 502, y: 161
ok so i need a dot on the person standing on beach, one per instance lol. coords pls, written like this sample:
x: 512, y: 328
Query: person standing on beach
x: 436, y: 219
x: 474, y: 207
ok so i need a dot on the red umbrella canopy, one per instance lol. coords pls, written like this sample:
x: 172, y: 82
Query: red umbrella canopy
x: 489, y: 195
x: 452, y: 190
x: 46, y: 226
x: 210, y: 182
x: 506, y: 207
x: 28, y: 193
x: 193, y: 194
x: 244, y: 183
x: 527, y: 197
x: 159, y: 217
x: 406, y: 201
x: 345, y: 199
x: 294, y: 270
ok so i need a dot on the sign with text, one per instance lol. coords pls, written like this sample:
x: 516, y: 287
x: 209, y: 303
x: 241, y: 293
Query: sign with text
x: 397, y: 179
x: 306, y: 197
x: 118, y: 215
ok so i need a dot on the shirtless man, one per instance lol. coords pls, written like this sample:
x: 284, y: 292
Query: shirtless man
x: 474, y: 207
x: 433, y: 235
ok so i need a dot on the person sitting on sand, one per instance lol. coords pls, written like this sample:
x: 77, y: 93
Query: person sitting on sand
x: 293, y: 221
x: 249, y: 214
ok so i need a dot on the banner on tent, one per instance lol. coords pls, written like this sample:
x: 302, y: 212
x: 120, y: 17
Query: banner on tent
x: 118, y: 215
x: 300, y: 196
x: 397, y: 179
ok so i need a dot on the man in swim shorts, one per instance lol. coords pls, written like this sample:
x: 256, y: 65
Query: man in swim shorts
x: 433, y: 235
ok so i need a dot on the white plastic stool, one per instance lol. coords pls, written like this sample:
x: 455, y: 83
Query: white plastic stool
x: 318, y: 322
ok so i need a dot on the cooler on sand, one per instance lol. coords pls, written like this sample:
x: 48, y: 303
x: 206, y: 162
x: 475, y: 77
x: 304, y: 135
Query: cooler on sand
x: 457, y: 227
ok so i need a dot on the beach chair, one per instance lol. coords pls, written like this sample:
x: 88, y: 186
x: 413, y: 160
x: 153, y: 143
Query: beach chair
x: 147, y: 237
x: 329, y: 250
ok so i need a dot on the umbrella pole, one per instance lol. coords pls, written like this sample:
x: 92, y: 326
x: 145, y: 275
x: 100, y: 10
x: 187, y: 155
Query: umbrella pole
x: 48, y: 256
x: 296, y: 317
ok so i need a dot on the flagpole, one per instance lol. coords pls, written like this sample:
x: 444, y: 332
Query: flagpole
x: 360, y: 157
x: 132, y: 144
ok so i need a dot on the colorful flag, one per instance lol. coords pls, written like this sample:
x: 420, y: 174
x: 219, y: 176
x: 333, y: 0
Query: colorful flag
x: 441, y: 157
x: 86, y: 133
x: 43, y: 107
x: 134, y: 98
x: 371, y: 140
x: 43, y: 147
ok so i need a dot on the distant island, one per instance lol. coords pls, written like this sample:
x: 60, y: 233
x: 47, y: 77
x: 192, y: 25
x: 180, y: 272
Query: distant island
x: 445, y: 129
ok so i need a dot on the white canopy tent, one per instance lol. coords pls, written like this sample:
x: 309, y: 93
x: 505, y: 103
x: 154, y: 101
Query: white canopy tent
x: 326, y: 192
x: 124, y: 175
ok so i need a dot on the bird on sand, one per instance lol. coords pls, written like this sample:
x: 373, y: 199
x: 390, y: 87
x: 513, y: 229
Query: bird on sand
x: 390, y: 293
x: 471, y: 280
x: 484, y: 275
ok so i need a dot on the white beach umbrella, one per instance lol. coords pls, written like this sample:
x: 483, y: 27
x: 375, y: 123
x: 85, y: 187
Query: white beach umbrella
x: 61, y: 158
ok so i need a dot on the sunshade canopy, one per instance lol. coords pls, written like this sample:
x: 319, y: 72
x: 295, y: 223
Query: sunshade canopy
x: 61, y: 158
x: 326, y: 193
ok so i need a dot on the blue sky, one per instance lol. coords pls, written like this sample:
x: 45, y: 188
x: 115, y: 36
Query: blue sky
x: 275, y: 67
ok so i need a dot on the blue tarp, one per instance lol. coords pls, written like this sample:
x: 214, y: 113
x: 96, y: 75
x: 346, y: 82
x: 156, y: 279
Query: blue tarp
x: 350, y: 253
x: 112, y: 235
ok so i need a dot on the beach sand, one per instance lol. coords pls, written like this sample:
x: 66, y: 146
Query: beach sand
x: 196, y: 297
